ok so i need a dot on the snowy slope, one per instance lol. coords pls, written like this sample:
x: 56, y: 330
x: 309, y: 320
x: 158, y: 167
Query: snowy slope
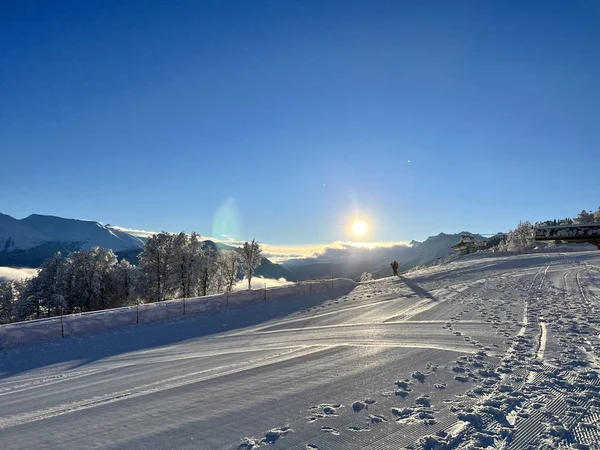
x: 484, y: 352
x: 37, y: 230
x: 14, y: 234
x: 90, y: 234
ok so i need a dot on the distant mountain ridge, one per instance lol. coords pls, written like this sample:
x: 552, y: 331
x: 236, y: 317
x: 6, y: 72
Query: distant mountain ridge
x: 377, y: 261
x: 30, y: 241
x: 38, y: 230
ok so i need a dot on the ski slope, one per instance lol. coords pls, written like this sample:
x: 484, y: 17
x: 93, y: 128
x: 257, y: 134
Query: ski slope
x: 485, y: 351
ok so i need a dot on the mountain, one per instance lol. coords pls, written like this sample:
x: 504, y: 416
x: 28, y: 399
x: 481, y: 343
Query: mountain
x: 37, y: 230
x: 30, y: 241
x: 351, y: 262
x: 16, y: 235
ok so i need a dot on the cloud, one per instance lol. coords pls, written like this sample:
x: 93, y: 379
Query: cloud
x: 260, y: 282
x: 138, y: 233
x: 14, y: 273
x: 335, y: 250
x: 281, y: 253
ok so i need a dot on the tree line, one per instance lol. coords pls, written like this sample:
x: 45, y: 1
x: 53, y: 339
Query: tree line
x: 522, y: 238
x: 169, y: 266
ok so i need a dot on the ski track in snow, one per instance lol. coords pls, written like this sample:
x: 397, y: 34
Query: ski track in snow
x: 496, y: 352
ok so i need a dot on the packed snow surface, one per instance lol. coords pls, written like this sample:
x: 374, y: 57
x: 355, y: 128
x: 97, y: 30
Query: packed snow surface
x: 484, y: 352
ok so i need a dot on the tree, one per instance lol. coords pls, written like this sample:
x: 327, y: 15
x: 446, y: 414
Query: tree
x: 91, y: 279
x: 251, y: 256
x: 10, y: 291
x: 366, y: 276
x: 47, y: 289
x: 124, y: 277
x: 208, y: 270
x: 597, y: 216
x: 521, y: 239
x: 181, y: 264
x: 584, y: 217
x: 229, y: 262
x: 155, y: 263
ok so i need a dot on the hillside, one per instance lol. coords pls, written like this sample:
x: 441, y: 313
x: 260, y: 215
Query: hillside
x: 39, y: 231
x: 487, y: 351
x: 354, y: 262
x: 30, y: 241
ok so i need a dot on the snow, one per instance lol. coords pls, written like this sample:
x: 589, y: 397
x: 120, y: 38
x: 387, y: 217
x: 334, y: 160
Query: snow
x: 37, y: 229
x: 42, y: 330
x: 319, y: 369
x: 16, y: 273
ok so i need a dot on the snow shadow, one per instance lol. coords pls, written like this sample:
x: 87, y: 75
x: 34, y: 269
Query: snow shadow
x: 413, y: 286
x: 74, y: 352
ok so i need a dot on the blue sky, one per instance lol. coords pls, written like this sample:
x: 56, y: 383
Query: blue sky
x: 283, y: 120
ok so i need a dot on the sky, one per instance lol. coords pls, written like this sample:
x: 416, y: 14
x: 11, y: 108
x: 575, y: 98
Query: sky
x: 286, y: 120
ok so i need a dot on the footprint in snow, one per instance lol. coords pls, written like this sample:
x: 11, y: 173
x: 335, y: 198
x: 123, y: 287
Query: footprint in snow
x: 376, y: 418
x: 403, y: 384
x: 420, y: 376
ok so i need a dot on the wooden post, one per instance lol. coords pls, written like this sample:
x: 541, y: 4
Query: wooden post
x: 265, y: 290
x: 227, y: 301
x: 62, y: 324
x: 184, y: 306
x: 137, y: 311
x: 332, y: 280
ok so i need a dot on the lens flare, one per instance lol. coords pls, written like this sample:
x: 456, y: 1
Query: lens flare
x: 359, y: 227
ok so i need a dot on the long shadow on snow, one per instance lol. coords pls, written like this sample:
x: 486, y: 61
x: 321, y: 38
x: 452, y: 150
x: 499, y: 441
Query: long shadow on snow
x: 413, y: 286
x: 83, y: 350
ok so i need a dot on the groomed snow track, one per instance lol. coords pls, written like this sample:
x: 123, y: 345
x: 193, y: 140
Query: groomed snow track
x: 497, y: 352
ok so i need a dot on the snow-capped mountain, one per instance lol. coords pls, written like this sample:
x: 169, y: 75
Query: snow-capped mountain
x: 37, y: 230
x: 28, y: 242
x: 14, y: 235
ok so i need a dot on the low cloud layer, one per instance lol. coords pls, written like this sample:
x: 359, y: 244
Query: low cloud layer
x: 260, y: 282
x: 281, y: 253
x: 12, y: 273
x: 334, y: 251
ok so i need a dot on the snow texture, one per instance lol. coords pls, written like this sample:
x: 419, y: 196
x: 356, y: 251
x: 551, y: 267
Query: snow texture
x: 320, y: 370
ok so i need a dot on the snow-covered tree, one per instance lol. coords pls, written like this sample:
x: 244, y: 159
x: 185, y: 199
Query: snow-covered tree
x: 250, y: 255
x: 208, y: 271
x: 10, y: 292
x: 91, y: 279
x: 155, y: 263
x: 229, y: 263
x: 521, y: 239
x: 366, y: 276
x: 48, y: 287
x: 584, y: 217
x: 181, y: 267
x: 124, y: 279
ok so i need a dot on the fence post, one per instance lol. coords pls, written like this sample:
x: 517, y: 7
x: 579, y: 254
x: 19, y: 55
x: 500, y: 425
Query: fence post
x: 227, y: 301
x: 184, y: 306
x: 137, y: 311
x: 62, y: 324
x: 332, y: 280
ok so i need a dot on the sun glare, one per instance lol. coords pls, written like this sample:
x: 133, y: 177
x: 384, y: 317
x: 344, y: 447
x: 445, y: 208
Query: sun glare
x: 359, y: 227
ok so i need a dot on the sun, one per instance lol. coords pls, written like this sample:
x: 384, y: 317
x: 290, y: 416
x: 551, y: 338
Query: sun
x: 359, y: 227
